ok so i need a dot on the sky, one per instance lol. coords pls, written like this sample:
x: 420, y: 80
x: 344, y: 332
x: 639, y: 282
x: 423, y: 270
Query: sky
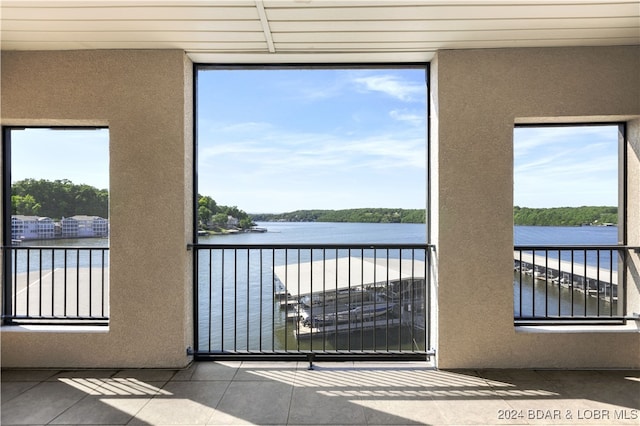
x: 273, y: 141
x: 81, y: 156
x: 566, y: 166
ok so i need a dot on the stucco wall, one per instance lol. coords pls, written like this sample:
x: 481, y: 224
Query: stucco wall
x: 144, y: 97
x: 477, y: 98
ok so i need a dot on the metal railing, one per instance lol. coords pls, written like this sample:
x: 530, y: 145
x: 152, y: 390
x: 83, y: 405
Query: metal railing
x: 323, y: 300
x: 55, y: 285
x: 569, y: 284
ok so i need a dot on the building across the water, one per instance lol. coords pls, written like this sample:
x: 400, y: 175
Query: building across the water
x: 43, y: 228
x: 82, y: 226
x: 31, y: 227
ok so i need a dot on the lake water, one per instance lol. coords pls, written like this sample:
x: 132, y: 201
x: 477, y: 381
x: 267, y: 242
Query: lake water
x: 565, y: 235
x: 225, y: 324
x: 327, y: 233
x: 374, y: 233
x: 244, y: 315
x: 401, y: 233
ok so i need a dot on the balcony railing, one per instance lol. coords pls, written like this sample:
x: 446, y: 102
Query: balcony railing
x: 56, y: 285
x: 338, y: 300
x: 569, y: 284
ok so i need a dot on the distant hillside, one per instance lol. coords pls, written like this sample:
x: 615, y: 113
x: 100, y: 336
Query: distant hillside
x: 565, y: 216
x: 558, y: 216
x: 364, y: 215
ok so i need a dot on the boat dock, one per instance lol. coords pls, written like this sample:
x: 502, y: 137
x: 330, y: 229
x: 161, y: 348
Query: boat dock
x: 563, y: 268
x: 577, y: 275
x: 307, y: 332
x: 351, y: 294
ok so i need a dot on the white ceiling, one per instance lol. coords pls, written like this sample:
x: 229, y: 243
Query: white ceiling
x: 307, y: 31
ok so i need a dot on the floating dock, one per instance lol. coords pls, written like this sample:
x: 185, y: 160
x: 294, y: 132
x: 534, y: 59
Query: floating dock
x: 305, y: 332
x: 351, y: 294
x: 547, y: 266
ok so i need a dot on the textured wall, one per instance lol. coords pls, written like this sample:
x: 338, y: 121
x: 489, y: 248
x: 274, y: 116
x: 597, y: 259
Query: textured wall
x: 145, y: 99
x: 479, y: 96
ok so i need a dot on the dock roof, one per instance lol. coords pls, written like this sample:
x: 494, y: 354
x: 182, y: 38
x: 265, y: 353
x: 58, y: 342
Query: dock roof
x: 335, y: 274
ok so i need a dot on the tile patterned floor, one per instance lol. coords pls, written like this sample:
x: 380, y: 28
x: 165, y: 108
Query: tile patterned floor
x: 229, y: 393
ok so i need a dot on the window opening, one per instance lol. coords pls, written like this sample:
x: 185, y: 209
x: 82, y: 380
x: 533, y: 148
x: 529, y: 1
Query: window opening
x: 569, y: 229
x: 301, y: 174
x: 56, y: 230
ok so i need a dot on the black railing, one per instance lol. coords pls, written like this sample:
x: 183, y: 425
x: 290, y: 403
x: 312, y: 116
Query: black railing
x: 569, y: 284
x: 56, y: 285
x: 357, y: 300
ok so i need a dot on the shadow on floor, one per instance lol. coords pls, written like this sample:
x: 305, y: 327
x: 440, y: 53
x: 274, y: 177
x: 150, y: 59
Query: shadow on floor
x: 225, y: 393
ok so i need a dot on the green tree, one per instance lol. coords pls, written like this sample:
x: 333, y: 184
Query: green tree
x: 207, y: 207
x: 565, y: 216
x: 60, y: 198
x: 24, y: 205
x: 246, y: 223
x: 220, y: 219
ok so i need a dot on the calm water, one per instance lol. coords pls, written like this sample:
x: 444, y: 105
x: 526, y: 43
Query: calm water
x: 262, y: 325
x: 328, y: 233
x: 251, y: 318
x: 45, y: 258
x: 346, y: 233
x: 565, y: 235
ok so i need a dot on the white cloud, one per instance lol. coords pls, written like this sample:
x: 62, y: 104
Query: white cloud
x: 408, y: 117
x: 391, y: 85
x: 565, y: 166
x: 326, y: 167
x: 314, y: 150
x: 322, y: 139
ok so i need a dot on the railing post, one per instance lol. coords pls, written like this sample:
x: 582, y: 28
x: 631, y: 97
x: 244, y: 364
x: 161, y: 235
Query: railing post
x: 7, y: 251
x: 7, y: 285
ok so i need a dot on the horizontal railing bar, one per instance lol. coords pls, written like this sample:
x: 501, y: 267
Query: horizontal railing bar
x: 318, y: 356
x: 580, y: 318
x: 25, y: 247
x: 65, y: 323
x: 53, y: 317
x: 567, y: 247
x: 570, y: 321
x: 309, y: 246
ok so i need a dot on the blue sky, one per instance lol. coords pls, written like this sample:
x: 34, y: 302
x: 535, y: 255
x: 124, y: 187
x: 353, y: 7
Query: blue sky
x: 283, y: 140
x: 566, y: 166
x: 81, y: 156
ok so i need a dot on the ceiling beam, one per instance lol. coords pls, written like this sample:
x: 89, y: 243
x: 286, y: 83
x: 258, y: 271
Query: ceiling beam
x: 265, y: 26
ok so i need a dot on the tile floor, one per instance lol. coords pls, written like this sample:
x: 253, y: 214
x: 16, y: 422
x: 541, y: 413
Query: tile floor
x: 228, y: 393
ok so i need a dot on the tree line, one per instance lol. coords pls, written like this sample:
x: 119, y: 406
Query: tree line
x: 57, y: 199
x: 558, y: 216
x: 363, y: 215
x: 62, y: 198
x: 565, y: 216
